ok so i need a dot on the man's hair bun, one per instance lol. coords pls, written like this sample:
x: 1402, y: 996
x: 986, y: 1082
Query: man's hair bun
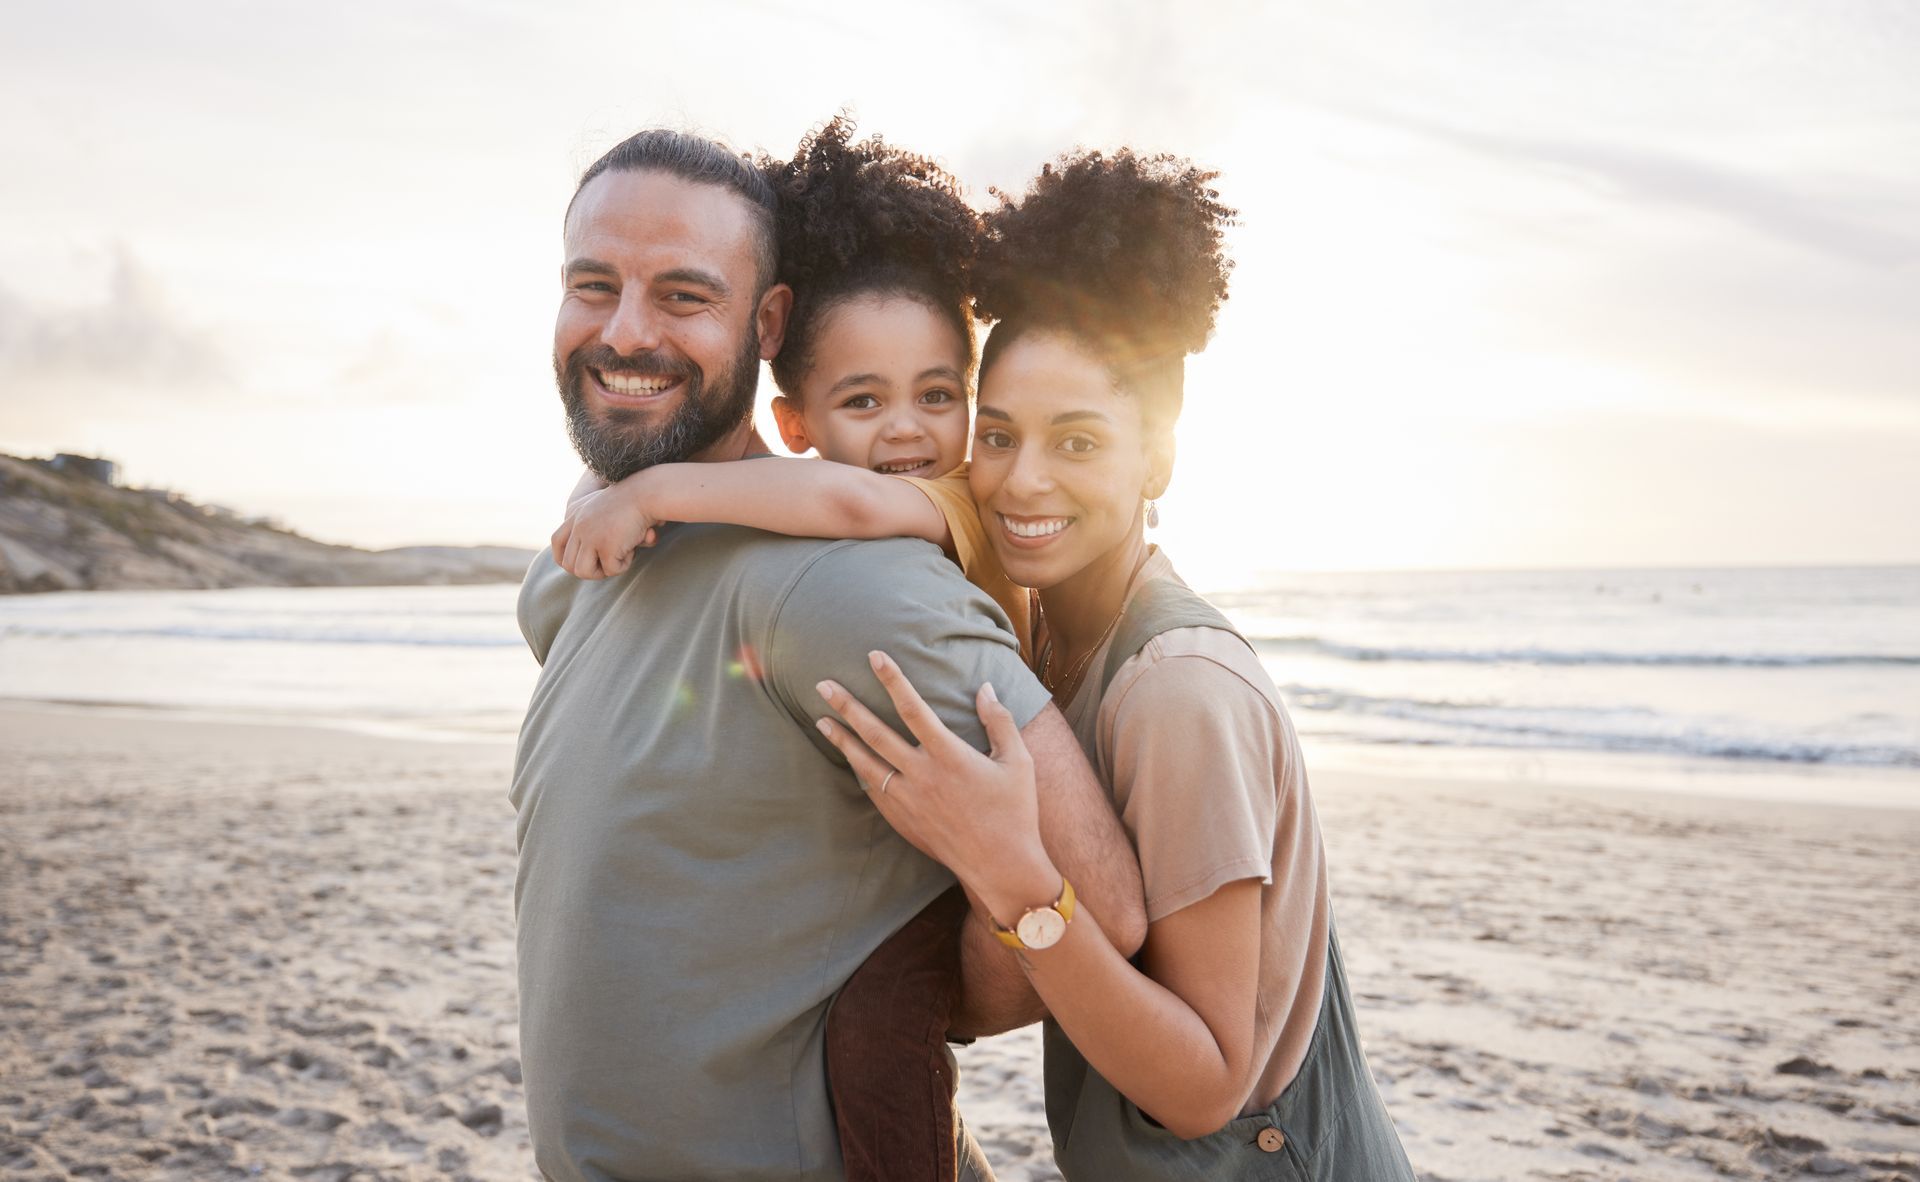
x: 1121, y: 249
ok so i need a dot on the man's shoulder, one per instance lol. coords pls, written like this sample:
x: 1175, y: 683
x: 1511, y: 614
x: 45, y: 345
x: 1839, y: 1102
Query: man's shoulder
x: 764, y: 576
x: 881, y: 571
x: 733, y: 559
x: 905, y: 597
x: 692, y: 568
x: 881, y: 568
x: 546, y: 594
x: 908, y: 556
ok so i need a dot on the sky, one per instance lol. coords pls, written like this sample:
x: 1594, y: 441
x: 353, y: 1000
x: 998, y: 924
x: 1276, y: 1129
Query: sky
x: 1524, y: 284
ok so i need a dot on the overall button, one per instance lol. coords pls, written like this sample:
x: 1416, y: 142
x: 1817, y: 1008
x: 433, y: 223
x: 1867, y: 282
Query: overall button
x: 1271, y: 1140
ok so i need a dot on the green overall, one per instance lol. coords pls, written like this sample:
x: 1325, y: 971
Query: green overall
x: 1329, y: 1125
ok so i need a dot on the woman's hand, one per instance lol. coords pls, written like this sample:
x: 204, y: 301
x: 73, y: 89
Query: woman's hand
x: 602, y: 529
x: 976, y: 814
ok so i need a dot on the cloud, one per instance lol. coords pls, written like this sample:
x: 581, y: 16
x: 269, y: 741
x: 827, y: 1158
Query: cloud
x: 128, y: 335
x: 1742, y: 290
x: 403, y: 366
x: 1648, y: 176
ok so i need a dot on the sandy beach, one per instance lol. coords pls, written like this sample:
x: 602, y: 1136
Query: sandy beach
x: 244, y: 951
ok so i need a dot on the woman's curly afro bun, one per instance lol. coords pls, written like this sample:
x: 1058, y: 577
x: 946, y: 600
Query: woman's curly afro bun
x: 866, y: 218
x: 1124, y: 252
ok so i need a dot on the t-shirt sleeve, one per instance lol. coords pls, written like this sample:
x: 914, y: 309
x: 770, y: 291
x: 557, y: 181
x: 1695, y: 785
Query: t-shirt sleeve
x: 1194, y: 752
x: 903, y: 597
x: 545, y: 596
x: 952, y: 497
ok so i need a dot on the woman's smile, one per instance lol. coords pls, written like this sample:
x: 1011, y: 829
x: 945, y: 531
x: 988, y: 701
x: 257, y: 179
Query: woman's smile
x: 1031, y: 533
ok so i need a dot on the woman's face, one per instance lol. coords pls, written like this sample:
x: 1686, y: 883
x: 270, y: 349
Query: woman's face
x: 887, y: 390
x: 1062, y: 463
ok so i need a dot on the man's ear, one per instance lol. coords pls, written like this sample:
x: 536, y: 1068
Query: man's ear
x: 771, y: 319
x: 793, y: 428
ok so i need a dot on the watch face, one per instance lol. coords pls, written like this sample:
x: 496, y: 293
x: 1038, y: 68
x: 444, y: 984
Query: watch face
x: 1041, y: 928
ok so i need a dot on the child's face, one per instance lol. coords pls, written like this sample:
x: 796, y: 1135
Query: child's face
x: 887, y: 390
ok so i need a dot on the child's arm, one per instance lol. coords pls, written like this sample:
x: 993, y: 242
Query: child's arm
x: 589, y: 482
x: 801, y: 498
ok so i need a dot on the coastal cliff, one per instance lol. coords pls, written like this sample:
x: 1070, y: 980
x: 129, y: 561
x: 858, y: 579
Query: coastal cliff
x: 69, y: 530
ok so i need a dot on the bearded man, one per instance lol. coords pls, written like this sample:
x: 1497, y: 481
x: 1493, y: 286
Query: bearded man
x: 699, y: 871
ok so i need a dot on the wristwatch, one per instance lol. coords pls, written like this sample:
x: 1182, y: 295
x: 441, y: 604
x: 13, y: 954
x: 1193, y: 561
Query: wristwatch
x: 1040, y: 927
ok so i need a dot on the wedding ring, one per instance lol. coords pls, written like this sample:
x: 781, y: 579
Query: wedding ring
x: 883, y: 783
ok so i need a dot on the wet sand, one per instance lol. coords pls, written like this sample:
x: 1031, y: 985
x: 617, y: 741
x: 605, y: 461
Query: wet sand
x: 238, y: 951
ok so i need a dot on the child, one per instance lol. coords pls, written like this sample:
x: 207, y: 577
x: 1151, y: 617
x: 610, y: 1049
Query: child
x: 875, y: 375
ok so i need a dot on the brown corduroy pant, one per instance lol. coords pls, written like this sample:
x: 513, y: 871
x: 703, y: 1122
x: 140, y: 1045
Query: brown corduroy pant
x: 888, y: 1067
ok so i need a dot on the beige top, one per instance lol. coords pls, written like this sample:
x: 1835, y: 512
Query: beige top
x: 1205, y: 770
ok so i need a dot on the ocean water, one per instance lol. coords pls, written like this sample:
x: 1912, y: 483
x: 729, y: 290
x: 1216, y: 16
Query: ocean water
x: 1773, y: 682
x: 430, y: 662
x: 1800, y: 682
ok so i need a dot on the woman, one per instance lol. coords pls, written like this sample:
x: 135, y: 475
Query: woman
x: 1230, y: 1050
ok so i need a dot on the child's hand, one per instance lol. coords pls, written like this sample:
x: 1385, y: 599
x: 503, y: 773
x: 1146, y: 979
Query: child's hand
x: 602, y: 529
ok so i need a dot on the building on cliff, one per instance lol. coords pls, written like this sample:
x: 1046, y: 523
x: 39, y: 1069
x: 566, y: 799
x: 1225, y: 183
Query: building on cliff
x: 91, y: 467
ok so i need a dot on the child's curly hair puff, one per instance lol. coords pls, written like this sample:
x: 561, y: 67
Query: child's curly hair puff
x: 866, y: 219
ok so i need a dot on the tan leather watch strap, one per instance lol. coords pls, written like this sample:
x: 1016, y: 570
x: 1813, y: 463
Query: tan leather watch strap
x: 1063, y: 907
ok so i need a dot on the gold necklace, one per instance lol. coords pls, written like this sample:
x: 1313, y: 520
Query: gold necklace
x: 1071, y: 682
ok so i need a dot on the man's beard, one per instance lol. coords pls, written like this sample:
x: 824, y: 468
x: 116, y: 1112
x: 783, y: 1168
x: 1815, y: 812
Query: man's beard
x: 622, y: 441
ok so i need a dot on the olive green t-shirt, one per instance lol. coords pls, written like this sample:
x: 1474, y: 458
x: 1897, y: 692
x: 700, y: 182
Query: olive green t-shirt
x: 699, y: 871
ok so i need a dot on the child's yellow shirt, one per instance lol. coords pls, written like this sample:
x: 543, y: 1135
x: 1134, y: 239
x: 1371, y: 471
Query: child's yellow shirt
x: 951, y: 496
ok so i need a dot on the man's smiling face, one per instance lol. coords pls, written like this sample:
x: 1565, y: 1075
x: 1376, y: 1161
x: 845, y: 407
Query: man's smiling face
x: 656, y: 347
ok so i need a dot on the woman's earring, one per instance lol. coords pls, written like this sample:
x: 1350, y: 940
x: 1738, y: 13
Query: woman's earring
x: 1153, y: 515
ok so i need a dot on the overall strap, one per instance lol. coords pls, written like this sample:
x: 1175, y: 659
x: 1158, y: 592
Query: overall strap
x: 1160, y: 606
